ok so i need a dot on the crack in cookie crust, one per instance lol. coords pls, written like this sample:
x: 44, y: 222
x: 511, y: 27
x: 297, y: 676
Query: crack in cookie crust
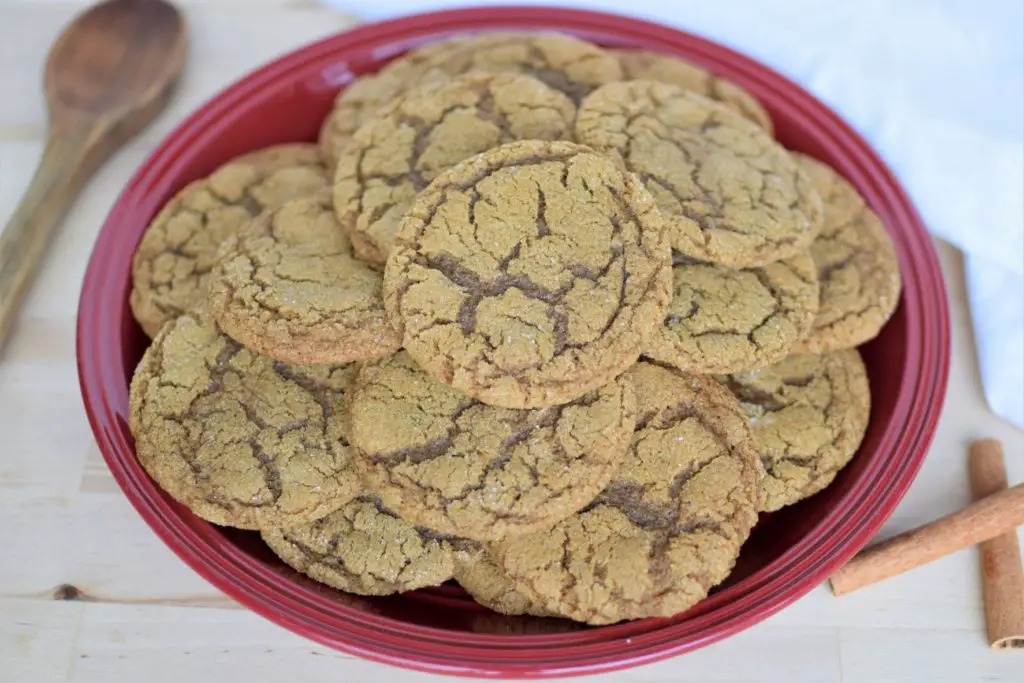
x: 667, y: 528
x: 363, y: 548
x: 727, y: 320
x: 171, y: 265
x: 451, y: 463
x: 809, y: 414
x: 240, y: 439
x: 428, y: 130
x: 529, y: 275
x: 359, y: 101
x: 857, y: 266
x: 730, y: 193
x: 652, y: 66
x: 569, y: 65
x: 290, y: 288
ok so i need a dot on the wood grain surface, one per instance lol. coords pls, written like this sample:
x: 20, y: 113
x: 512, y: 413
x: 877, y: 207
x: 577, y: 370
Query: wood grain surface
x: 142, y: 615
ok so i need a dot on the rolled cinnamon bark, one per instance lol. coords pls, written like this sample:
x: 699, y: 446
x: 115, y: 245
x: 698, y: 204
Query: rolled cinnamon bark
x: 984, y: 519
x: 1002, y: 574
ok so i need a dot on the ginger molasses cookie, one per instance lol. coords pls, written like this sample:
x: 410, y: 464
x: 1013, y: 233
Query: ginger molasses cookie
x: 667, y: 528
x: 290, y: 287
x: 441, y: 459
x: 363, y: 548
x: 174, y: 258
x: 530, y: 274
x: 429, y: 130
x: 491, y: 587
x: 240, y: 439
x: 723, y: 319
x: 360, y: 99
x: 570, y: 65
x: 729, y: 193
x: 808, y: 414
x: 857, y: 265
x: 653, y: 66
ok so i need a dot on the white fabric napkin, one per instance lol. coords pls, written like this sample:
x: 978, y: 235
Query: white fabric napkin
x: 936, y: 86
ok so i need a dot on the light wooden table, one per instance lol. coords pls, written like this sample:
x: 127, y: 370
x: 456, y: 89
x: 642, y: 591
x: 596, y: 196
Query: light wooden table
x: 149, y: 618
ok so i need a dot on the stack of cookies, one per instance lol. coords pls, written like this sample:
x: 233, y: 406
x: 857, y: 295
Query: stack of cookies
x: 555, y: 321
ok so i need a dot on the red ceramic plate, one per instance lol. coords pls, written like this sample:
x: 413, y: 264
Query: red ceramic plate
x: 441, y: 629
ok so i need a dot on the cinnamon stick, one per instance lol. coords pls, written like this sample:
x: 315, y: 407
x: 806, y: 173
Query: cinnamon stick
x: 984, y: 519
x: 1001, y: 570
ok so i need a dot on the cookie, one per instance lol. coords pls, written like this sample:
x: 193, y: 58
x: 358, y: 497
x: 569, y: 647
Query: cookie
x: 808, y: 414
x: 570, y: 65
x: 670, y: 525
x: 359, y: 100
x: 450, y: 463
x: 723, y: 319
x: 729, y: 193
x: 428, y: 130
x: 290, y: 287
x: 857, y: 266
x: 530, y: 274
x: 239, y: 439
x: 363, y: 548
x: 174, y: 258
x: 653, y: 66
x: 492, y: 588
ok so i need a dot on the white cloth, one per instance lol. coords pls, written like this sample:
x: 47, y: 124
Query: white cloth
x: 936, y: 86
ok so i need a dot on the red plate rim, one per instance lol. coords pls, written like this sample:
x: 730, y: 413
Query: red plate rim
x: 837, y: 536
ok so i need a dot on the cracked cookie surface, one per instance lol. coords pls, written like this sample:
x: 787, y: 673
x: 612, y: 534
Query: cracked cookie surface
x: 491, y: 587
x: 290, y: 288
x: 857, y: 266
x: 359, y: 100
x: 173, y: 260
x: 653, y: 66
x: 667, y: 528
x: 363, y: 548
x: 808, y: 414
x: 428, y: 130
x: 448, y: 462
x: 569, y: 65
x: 530, y: 274
x: 730, y: 194
x: 723, y: 319
x: 240, y: 439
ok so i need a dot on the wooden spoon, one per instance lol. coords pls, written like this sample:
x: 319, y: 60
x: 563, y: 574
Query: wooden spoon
x: 108, y: 75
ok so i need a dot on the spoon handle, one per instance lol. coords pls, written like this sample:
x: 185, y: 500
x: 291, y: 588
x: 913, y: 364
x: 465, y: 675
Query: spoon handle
x: 64, y: 167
